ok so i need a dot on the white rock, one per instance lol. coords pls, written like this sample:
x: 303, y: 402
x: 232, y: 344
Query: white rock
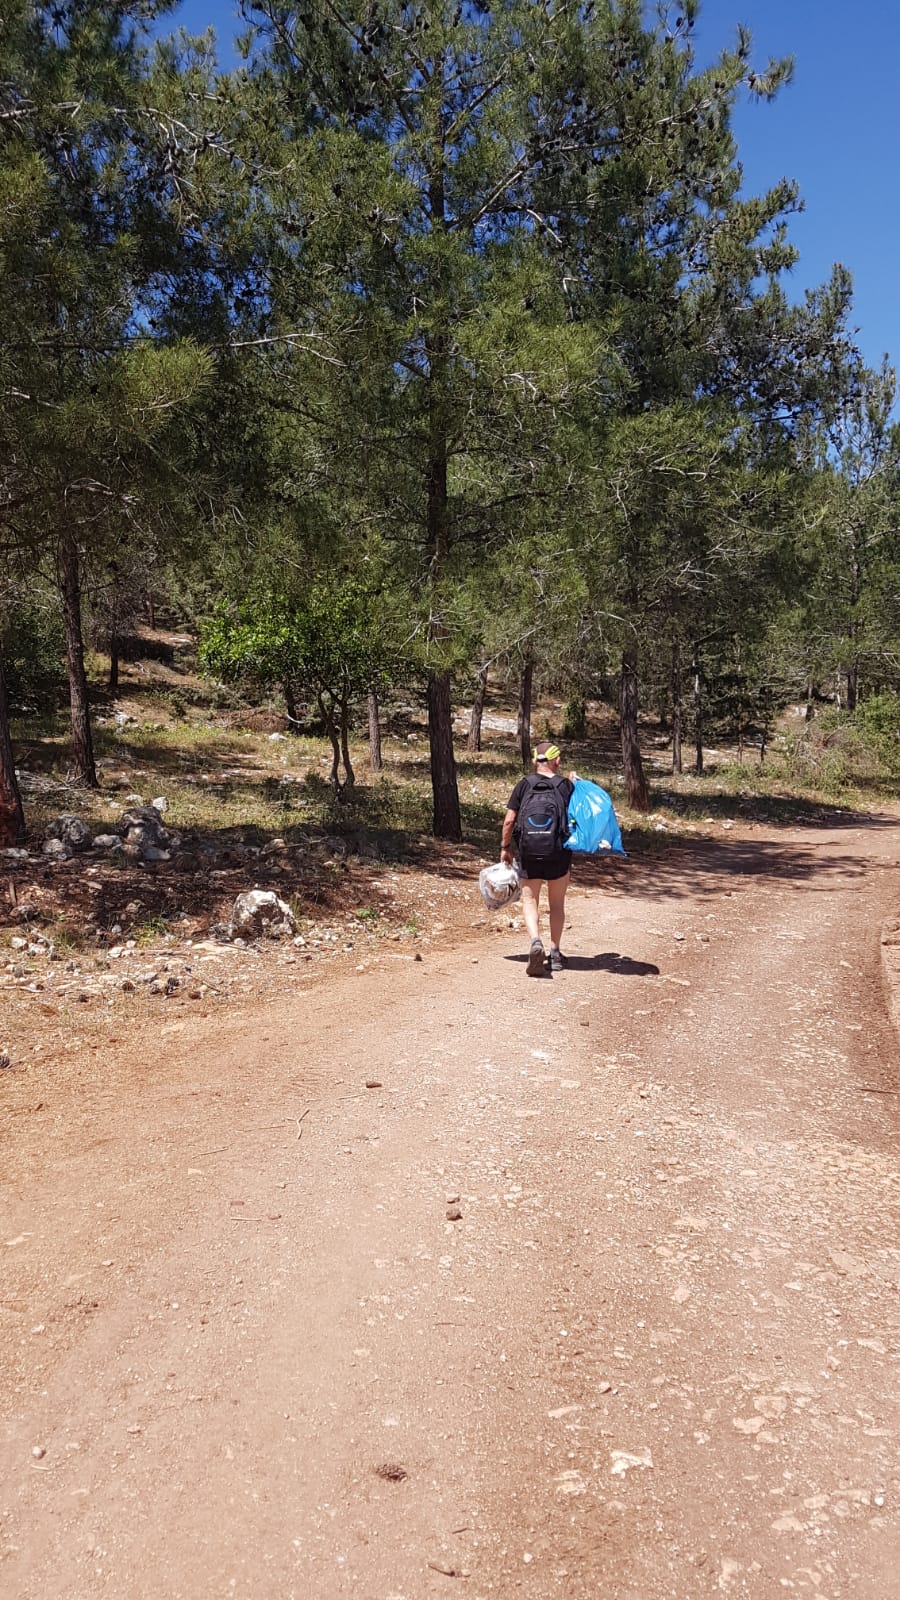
x: 624, y: 1461
x: 570, y: 1482
x: 160, y: 804
x: 261, y: 912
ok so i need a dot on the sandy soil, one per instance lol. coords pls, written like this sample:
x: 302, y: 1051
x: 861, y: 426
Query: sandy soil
x: 247, y: 1350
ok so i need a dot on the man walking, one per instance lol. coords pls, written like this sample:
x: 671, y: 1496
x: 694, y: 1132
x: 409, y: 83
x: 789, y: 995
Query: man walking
x: 537, y: 819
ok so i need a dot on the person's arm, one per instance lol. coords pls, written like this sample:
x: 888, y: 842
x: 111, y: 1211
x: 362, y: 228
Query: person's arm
x: 509, y: 822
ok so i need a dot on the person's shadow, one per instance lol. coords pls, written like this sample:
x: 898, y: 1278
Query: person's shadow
x: 610, y: 961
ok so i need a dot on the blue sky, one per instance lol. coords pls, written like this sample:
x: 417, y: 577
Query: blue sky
x: 834, y: 129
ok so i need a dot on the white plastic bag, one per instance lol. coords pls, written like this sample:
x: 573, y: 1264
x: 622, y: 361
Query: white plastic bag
x: 499, y: 885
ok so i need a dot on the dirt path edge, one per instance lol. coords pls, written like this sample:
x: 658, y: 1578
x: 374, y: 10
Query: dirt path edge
x: 890, y: 960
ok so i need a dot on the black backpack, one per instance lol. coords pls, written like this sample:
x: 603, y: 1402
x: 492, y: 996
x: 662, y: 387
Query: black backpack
x: 542, y: 824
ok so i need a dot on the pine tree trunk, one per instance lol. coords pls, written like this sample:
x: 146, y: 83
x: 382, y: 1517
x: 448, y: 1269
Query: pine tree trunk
x: 447, y: 817
x: 473, y: 742
x: 326, y: 710
x: 445, y: 790
x: 697, y: 673
x: 12, y: 817
x: 526, y: 684
x: 349, y: 774
x: 375, y: 761
x: 853, y: 633
x: 82, y: 741
x: 112, y: 682
x: 635, y: 782
x: 290, y: 704
x: 764, y: 731
x: 676, y: 706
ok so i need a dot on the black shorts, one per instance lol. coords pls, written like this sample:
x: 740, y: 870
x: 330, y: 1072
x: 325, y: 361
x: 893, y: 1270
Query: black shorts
x: 547, y: 867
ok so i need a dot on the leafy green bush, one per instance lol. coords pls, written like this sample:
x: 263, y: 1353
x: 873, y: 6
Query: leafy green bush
x: 33, y: 654
x: 839, y: 749
x: 331, y: 645
x: 879, y: 722
x: 575, y: 717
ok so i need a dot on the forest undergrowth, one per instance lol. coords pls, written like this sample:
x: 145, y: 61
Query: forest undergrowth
x: 245, y: 796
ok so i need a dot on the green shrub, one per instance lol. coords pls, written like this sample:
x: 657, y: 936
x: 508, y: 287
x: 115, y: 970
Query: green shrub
x: 836, y: 750
x: 575, y: 718
x: 878, y: 720
x: 33, y: 654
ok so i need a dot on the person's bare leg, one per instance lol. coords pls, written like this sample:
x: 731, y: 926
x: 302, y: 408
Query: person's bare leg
x: 531, y: 895
x: 556, y: 894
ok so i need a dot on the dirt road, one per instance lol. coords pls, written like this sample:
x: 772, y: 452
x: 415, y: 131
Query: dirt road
x: 246, y: 1354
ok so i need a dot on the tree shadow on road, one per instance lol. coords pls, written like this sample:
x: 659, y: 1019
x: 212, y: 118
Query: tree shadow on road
x: 776, y: 810
x: 710, y: 867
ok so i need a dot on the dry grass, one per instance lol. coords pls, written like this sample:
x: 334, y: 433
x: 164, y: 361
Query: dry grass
x: 224, y: 779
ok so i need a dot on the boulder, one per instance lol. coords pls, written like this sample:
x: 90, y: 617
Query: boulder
x: 56, y: 849
x: 260, y: 913
x: 107, y: 841
x: 139, y: 850
x: 70, y: 831
x: 141, y: 817
x: 145, y: 838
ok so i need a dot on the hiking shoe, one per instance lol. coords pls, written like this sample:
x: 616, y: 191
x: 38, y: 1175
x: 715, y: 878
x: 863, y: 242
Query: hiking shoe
x: 557, y: 959
x: 535, y: 967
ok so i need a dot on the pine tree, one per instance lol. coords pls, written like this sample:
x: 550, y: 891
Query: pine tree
x: 851, y: 538
x: 416, y: 136
x: 92, y: 449
x: 658, y: 244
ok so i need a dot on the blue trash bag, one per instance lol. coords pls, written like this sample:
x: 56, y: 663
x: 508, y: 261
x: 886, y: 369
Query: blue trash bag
x: 593, y: 828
